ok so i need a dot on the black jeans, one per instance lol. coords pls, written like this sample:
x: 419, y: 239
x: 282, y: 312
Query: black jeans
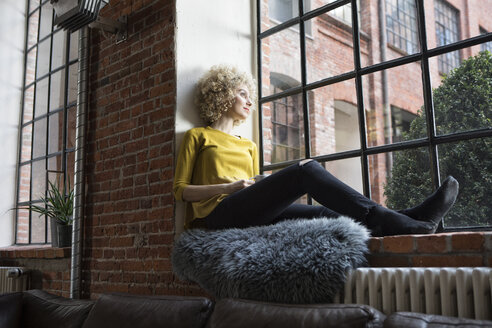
x: 270, y: 200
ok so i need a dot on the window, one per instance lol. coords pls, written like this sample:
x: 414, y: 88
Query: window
x: 343, y: 13
x: 286, y: 131
x: 446, y: 33
x: 400, y: 122
x: 47, y: 119
x: 283, y: 10
x: 401, y: 25
x: 487, y: 45
x: 393, y: 128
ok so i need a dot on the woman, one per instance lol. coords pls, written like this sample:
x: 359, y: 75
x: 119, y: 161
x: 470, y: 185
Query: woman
x: 215, y: 171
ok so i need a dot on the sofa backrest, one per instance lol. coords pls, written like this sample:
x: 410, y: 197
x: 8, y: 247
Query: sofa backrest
x: 10, y: 309
x: 41, y: 309
x: 133, y: 311
x: 243, y: 314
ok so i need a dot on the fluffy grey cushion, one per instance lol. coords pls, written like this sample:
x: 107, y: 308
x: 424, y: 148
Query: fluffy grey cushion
x: 296, y: 261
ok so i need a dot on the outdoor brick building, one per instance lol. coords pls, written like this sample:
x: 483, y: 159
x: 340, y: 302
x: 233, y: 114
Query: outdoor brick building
x: 332, y: 109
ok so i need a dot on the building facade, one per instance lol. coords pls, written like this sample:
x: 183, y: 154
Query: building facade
x: 392, y: 98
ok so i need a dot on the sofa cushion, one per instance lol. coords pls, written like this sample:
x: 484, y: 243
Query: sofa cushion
x: 10, y: 309
x: 244, y: 313
x: 132, y: 311
x: 420, y: 320
x: 41, y: 309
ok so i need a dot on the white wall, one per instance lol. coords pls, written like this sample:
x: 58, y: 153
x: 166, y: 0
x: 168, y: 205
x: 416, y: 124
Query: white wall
x: 210, y: 33
x: 12, y: 38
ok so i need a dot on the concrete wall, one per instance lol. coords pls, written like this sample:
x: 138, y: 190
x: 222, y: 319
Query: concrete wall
x: 12, y: 39
x: 210, y: 33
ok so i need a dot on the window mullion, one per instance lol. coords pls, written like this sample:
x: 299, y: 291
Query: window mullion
x: 260, y: 84
x: 360, y: 100
x: 428, y: 103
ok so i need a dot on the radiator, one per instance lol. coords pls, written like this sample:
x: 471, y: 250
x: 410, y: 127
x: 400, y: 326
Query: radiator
x: 13, y: 279
x: 458, y: 292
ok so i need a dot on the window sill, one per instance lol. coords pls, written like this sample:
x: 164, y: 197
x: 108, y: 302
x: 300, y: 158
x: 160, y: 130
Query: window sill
x: 34, y: 252
x: 443, y: 249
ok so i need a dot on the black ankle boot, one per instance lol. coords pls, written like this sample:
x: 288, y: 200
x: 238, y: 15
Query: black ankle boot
x: 437, y: 205
x: 385, y: 222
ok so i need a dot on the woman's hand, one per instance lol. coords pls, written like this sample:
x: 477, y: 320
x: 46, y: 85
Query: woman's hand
x: 239, y: 185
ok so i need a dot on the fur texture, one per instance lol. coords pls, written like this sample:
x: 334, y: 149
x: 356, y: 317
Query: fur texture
x: 296, y: 261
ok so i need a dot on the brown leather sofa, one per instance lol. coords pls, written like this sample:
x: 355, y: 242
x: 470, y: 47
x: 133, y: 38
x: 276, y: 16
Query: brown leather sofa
x: 36, y: 308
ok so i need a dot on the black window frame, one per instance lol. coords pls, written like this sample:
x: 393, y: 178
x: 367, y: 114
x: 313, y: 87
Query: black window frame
x: 64, y: 152
x: 431, y: 141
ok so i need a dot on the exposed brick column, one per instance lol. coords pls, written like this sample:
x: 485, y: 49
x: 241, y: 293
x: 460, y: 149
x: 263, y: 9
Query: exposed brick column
x: 129, y: 214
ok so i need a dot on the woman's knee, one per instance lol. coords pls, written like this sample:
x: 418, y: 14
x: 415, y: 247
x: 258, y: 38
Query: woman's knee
x: 305, y: 161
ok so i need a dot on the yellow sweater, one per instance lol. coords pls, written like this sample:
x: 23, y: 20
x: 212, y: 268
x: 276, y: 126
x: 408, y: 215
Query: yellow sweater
x: 209, y: 156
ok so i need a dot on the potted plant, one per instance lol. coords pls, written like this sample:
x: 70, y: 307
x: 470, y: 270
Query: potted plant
x: 59, y: 208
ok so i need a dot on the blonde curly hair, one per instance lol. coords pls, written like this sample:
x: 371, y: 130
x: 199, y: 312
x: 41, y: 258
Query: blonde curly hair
x: 216, y: 91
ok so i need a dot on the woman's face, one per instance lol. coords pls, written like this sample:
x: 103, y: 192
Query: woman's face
x: 242, y: 104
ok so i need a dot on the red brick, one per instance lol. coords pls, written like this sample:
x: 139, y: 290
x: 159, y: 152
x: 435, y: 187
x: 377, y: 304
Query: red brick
x: 398, y: 244
x: 431, y: 243
x: 465, y: 241
x: 374, y: 245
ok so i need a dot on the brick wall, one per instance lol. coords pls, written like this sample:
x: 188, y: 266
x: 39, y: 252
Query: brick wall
x: 438, y: 250
x: 129, y: 224
x: 49, y: 268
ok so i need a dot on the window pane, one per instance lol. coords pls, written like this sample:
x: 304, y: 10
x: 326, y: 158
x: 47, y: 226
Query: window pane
x: 38, y: 228
x: 38, y: 179
x: 325, y: 58
x: 402, y: 86
x: 41, y: 100
x: 43, y: 65
x: 400, y: 179
x: 25, y: 183
x: 39, y: 138
x: 401, y: 28
x: 71, y: 167
x: 281, y: 59
x: 274, y: 12
x: 55, y: 164
x: 28, y: 104
x: 33, y: 4
x: 71, y: 125
x: 22, y: 226
x: 32, y: 37
x: 72, y: 84
x: 283, y: 133
x: 463, y: 99
x: 46, y: 20
x: 457, y: 20
x: 348, y: 171
x: 470, y: 162
x: 31, y: 66
x: 343, y: 13
x: 56, y: 133
x: 333, y: 117
x: 57, y: 90
x: 26, y: 143
x: 319, y: 3
x: 59, y: 49
x: 74, y: 45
